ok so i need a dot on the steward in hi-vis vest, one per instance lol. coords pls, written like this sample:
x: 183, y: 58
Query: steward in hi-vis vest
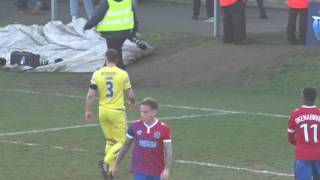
x: 116, y: 20
x: 234, y: 21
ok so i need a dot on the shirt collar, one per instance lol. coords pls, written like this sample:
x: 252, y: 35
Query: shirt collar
x: 304, y: 106
x: 149, y: 127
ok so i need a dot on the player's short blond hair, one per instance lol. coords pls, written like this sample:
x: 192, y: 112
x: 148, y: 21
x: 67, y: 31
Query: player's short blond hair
x: 149, y: 101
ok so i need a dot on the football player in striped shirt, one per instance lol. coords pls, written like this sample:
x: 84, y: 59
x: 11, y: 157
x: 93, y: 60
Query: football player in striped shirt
x: 152, y: 151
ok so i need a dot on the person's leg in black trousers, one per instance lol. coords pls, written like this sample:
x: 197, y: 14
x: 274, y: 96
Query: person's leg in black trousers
x: 196, y: 9
x: 209, y: 6
x: 228, y: 30
x: 291, y: 28
x: 22, y: 5
x: 303, y: 20
x: 239, y: 21
x: 117, y: 45
x: 262, y: 10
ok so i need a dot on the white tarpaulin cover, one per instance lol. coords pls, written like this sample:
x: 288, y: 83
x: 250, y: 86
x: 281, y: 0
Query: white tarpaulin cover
x: 81, y: 51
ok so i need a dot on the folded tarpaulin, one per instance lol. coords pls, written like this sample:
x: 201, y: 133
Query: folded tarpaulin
x: 81, y: 51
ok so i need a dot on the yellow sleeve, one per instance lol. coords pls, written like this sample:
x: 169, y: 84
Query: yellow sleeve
x: 127, y: 83
x: 94, y: 79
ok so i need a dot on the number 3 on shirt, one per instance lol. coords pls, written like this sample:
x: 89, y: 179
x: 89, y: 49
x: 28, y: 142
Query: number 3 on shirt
x: 109, y: 89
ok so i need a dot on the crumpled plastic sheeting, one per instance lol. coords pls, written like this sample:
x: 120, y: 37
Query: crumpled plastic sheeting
x: 81, y: 51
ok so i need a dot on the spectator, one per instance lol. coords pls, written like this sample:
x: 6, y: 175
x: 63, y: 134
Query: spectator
x: 22, y: 5
x: 114, y: 28
x: 262, y: 10
x: 74, y: 8
x: 196, y: 9
x: 234, y: 21
x: 36, y: 5
x: 297, y: 8
x: 39, y: 5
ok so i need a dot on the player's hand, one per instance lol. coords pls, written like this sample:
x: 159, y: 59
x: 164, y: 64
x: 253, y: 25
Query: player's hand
x: 165, y: 174
x: 89, y: 116
x: 132, y: 106
x: 115, y: 171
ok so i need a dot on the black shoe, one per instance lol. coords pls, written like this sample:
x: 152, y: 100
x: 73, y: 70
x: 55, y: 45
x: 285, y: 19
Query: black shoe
x: 37, y: 8
x: 264, y: 17
x: 243, y: 42
x: 195, y: 17
x: 293, y: 41
x: 104, y: 170
x: 227, y: 41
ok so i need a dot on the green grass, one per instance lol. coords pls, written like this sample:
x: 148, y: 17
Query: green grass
x: 2, y: 24
x: 163, y: 40
x: 238, y: 140
x: 241, y: 140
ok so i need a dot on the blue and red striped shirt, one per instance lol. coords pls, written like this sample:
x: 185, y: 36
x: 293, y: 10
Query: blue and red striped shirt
x: 148, y: 149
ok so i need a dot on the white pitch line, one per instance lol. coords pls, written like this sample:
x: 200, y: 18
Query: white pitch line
x: 234, y: 168
x: 40, y: 93
x: 41, y: 145
x: 177, y: 161
x: 47, y: 130
x: 226, y: 111
x: 163, y: 105
x: 195, y: 116
x: 94, y: 125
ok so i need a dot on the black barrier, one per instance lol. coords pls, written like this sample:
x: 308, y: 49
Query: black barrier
x: 313, y: 30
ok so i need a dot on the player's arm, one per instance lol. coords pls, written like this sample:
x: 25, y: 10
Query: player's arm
x: 122, y: 153
x: 89, y: 102
x: 131, y: 97
x: 167, y: 160
x: 129, y: 91
x: 291, y: 131
x: 292, y: 137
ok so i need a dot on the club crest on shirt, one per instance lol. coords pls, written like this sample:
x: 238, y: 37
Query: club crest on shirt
x: 139, y: 132
x: 156, y: 134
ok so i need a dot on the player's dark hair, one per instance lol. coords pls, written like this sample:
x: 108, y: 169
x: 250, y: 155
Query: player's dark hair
x: 149, y: 101
x: 112, y: 55
x: 309, y: 94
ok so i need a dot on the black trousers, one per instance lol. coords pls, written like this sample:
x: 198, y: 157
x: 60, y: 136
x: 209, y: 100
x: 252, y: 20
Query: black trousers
x: 197, y: 4
x: 292, y: 20
x: 262, y: 10
x: 234, y: 22
x: 117, y: 45
x: 22, y: 4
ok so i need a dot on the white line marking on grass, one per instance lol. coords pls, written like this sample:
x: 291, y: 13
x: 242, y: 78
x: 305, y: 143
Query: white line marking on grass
x: 41, y: 145
x: 47, y: 130
x: 234, y: 168
x: 195, y: 116
x: 226, y: 111
x: 40, y: 93
x: 94, y: 125
x: 177, y: 161
x: 163, y: 105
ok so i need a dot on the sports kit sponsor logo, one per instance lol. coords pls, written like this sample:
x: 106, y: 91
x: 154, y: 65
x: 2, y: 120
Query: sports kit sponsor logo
x: 147, y: 144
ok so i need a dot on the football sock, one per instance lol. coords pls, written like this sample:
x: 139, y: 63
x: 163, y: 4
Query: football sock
x: 110, y: 158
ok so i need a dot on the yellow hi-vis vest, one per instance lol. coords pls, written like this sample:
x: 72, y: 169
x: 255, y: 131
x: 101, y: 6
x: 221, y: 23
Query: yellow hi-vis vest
x: 118, y: 17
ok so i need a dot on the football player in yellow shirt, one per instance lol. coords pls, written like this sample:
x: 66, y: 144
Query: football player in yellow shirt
x: 111, y: 83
